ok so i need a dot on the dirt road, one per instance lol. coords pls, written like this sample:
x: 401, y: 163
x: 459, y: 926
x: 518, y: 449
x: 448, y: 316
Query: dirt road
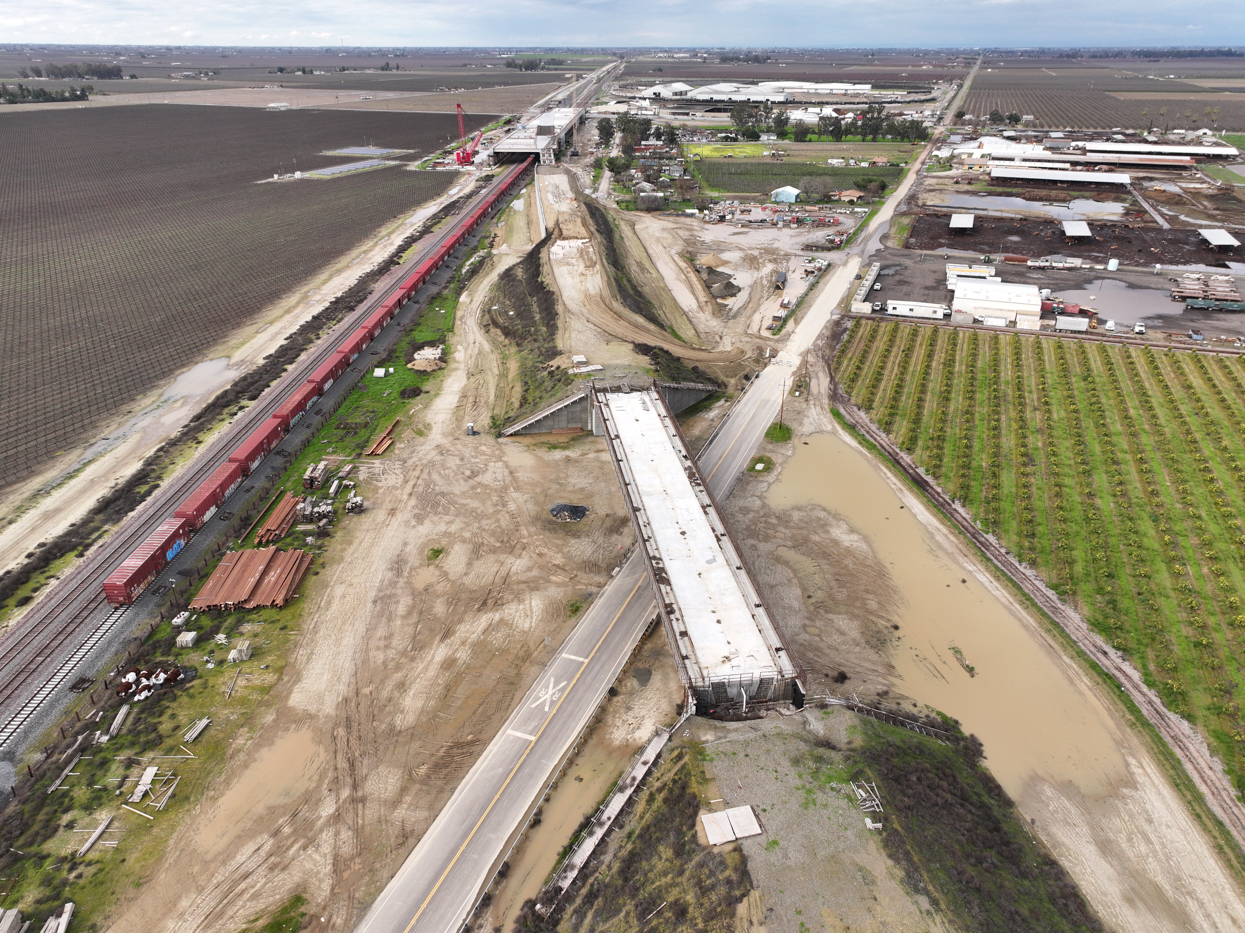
x: 406, y: 665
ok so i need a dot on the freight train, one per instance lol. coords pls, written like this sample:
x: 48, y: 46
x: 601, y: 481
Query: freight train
x: 137, y: 571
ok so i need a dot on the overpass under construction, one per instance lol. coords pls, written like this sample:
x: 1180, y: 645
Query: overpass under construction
x: 726, y: 646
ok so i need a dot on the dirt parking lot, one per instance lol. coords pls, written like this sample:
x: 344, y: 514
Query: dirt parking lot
x: 1131, y: 244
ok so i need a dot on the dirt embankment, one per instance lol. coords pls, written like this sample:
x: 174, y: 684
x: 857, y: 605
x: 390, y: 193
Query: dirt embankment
x: 610, y: 303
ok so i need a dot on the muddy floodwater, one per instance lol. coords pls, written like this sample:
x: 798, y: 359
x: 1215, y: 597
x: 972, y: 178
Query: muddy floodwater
x: 202, y: 377
x: 1080, y: 209
x: 1075, y: 769
x: 1114, y: 300
x: 961, y: 649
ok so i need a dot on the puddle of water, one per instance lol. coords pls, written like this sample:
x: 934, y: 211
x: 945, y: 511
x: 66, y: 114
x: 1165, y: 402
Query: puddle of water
x: 277, y: 775
x: 1033, y: 716
x: 200, y: 378
x: 599, y: 764
x: 1116, y: 301
x: 1080, y: 209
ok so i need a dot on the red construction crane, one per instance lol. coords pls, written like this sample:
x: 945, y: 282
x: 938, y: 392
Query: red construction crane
x: 467, y: 153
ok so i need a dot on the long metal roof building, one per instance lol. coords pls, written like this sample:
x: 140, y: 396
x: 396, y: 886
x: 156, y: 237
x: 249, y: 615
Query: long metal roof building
x: 1044, y: 174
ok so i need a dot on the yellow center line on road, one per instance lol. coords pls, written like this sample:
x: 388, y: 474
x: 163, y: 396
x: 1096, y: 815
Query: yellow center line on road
x: 523, y: 757
x: 722, y: 458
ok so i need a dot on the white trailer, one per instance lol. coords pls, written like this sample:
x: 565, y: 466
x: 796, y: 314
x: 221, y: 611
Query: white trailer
x: 921, y: 309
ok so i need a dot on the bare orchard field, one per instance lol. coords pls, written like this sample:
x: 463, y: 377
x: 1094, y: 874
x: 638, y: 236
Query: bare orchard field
x: 902, y: 70
x: 139, y: 237
x: 1094, y: 98
x: 485, y: 100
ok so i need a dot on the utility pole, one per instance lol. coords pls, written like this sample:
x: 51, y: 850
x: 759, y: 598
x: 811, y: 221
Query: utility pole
x: 782, y: 401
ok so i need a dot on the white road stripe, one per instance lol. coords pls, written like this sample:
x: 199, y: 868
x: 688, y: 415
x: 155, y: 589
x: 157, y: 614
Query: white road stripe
x: 521, y: 735
x: 571, y: 657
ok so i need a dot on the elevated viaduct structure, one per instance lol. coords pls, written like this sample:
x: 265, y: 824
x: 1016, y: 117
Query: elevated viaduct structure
x: 577, y: 412
x: 726, y: 646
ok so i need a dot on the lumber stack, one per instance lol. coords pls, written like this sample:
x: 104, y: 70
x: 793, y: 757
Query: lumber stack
x: 251, y: 579
x: 278, y: 524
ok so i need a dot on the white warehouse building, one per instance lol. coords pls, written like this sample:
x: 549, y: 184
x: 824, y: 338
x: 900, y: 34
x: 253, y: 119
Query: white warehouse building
x: 995, y: 299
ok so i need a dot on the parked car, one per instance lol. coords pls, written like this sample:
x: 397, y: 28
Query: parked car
x: 877, y: 306
x: 877, y: 287
x: 1139, y: 328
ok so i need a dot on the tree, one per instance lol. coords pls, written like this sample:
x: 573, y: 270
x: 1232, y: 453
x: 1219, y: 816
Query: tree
x: 960, y: 114
x: 1014, y: 118
x: 743, y: 115
x: 780, y: 121
x: 871, y: 186
x: 872, y: 121
x: 816, y: 187
x: 23, y: 73
x: 670, y: 135
x: 996, y: 116
x: 36, y: 71
x: 605, y: 131
x: 837, y: 129
x: 824, y: 124
x: 799, y: 132
x: 617, y: 164
x: 751, y: 133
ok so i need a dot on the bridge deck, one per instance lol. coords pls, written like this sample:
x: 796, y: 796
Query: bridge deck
x: 729, y: 649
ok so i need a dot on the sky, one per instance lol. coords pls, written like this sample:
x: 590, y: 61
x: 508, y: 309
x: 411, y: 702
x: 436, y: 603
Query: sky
x: 732, y: 23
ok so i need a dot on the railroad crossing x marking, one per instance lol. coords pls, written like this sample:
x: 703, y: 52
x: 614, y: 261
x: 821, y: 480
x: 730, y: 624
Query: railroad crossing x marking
x: 548, y: 694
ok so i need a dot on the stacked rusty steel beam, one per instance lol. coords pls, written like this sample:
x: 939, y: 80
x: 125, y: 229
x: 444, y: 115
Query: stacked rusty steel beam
x: 281, y: 578
x: 382, y: 443
x: 278, y: 524
x: 251, y: 579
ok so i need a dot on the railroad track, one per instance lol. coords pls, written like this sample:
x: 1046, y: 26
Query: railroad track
x: 1181, y: 737
x: 61, y: 628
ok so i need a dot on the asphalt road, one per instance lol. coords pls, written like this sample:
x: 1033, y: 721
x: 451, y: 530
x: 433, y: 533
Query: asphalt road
x: 438, y: 885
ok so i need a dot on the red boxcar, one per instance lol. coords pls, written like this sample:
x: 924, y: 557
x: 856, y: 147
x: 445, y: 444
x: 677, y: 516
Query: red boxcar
x: 126, y: 582
x: 328, y: 372
x: 352, y: 346
x: 299, y: 401
x: 256, y: 447
x: 202, y: 503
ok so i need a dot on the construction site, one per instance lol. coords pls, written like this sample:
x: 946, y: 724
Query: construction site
x: 364, y: 673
